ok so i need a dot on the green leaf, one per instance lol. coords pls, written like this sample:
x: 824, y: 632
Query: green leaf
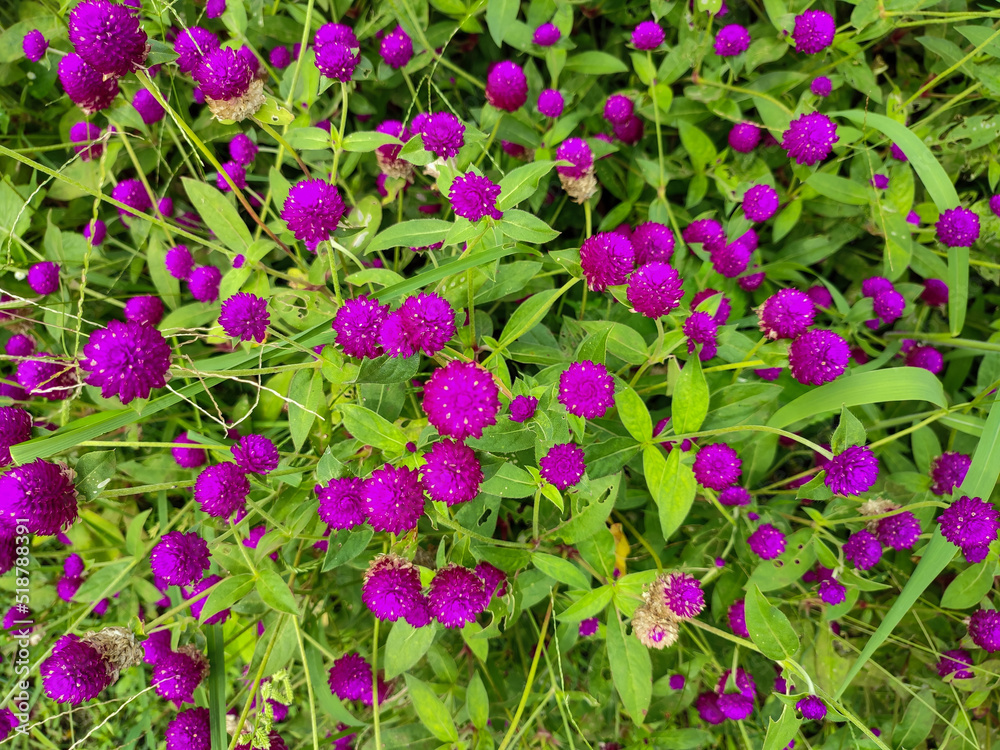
x: 413, y: 233
x: 133, y: 538
x: 372, y: 429
x: 526, y: 316
x: 634, y: 415
x: 522, y: 182
x: 970, y: 586
x: 346, y: 544
x: 918, y: 721
x: 689, y: 405
x: 306, y: 389
x: 217, y: 685
x: 477, y: 702
x: 588, y: 605
x: 782, y: 731
x: 405, y: 646
x: 958, y: 288
x: 100, y: 584
x: 672, y: 484
x: 769, y: 629
x: 219, y: 215
x: 524, y: 227
x: 275, y: 593
x: 500, y: 16
x: 698, y: 145
x: 839, y: 189
x: 94, y: 471
x: 631, y: 668
x: 849, y: 432
x: 226, y: 594
x: 509, y: 480
x: 369, y: 140
x: 309, y: 138
x: 386, y: 369
x: 595, y: 64
x: 235, y: 17
x: 562, y: 570
x: 432, y: 712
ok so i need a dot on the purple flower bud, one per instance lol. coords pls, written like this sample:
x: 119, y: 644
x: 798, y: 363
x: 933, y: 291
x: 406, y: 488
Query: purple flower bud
x: 34, y: 45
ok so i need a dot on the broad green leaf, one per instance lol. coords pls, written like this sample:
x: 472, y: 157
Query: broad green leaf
x: 970, y: 586
x: 372, y: 429
x: 524, y: 227
x: 309, y: 138
x: 405, y: 646
x: 672, y: 485
x: 527, y: 315
x: 588, y: 605
x: 634, y: 415
x: 595, y: 63
x: 413, y: 233
x: 958, y: 288
x: 477, y: 702
x: 305, y: 396
x: 698, y: 145
x: 510, y: 480
x: 274, y: 592
x: 500, y: 15
x: 839, y: 189
x: 226, y: 594
x: 769, y: 629
x: 689, y: 405
x: 782, y: 731
x: 103, y: 583
x: 631, y: 668
x: 562, y: 570
x: 521, y: 183
x: 219, y: 215
x: 346, y: 544
x: 433, y: 713
x: 918, y: 720
x: 369, y: 140
x: 849, y: 432
x: 93, y: 472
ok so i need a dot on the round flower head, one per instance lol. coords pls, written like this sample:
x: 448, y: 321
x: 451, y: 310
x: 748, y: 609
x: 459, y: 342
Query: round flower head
x: 394, y: 499
x: 127, y: 360
x: 735, y: 495
x: 506, y: 86
x: 958, y: 227
x: 812, y: 707
x: 20, y: 345
x: 45, y: 377
x: 75, y: 672
x: 215, y: 8
x: 744, y: 137
x: 821, y: 86
x: 522, y: 408
x: 562, y: 466
x: 148, y: 108
x: 351, y: 678
x: 786, y: 314
x: 546, y: 35
x: 84, y: 137
x: 984, y: 629
x: 391, y: 586
x: 550, y: 103
x: 179, y: 262
x: 818, y: 357
x: 494, y: 580
x: 717, y: 466
x: 653, y: 241
x: 766, y: 542
x: 707, y: 705
x: 578, y: 153
x: 335, y: 33
x: 889, y: 306
x: 820, y: 296
x: 43, y: 277
x: 738, y: 705
x: 244, y: 316
x: 236, y: 173
x: 256, y: 454
x: 587, y: 389
x: 133, y: 194
x: 422, y: 323
x: 313, y: 210
x: 40, y: 492
x: 242, y: 150
x: 191, y: 45
x: 731, y: 260
x: 396, y: 48
x: 813, y: 31
x: 832, y: 592
x: 948, y: 472
x: 852, y: 472
x: 188, y: 458
x: 607, y: 258
x: 629, y: 132
x: 228, y: 81
x: 358, y: 324
x: 456, y: 596
x: 655, y: 289
x: 179, y: 559
x: 760, y: 203
x: 336, y: 61
x: 935, y: 293
x: 177, y: 675
x: 341, y: 502
x: 95, y: 231
x: 87, y: 88
x: 863, y: 549
x: 221, y: 490
x: 145, y: 309
x: 899, y: 531
x: 108, y: 37
x: 474, y: 197
x: 34, y: 45
x: 705, y: 232
x: 452, y: 473
x: 15, y: 427
x: 648, y: 35
x: 736, y: 615
x: 731, y: 40
x: 588, y: 627
x: 618, y: 109
x: 957, y: 662
x: 810, y: 138
x: 681, y: 594
x: 443, y: 134
x: 701, y: 328
x: 875, y: 285
x: 879, y: 181
x: 461, y: 399
x: 189, y: 730
x: 971, y: 524
x: 926, y: 357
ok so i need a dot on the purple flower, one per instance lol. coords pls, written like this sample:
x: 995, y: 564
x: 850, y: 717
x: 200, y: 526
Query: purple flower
x: 391, y: 586
x: 948, y: 472
x: 148, y: 108
x: 358, y: 324
x: 766, y: 542
x: 134, y: 195
x: 341, y: 502
x: 244, y: 316
x: 889, y: 306
x: 899, y: 531
x: 452, y: 473
x: 456, y: 596
x: 335, y: 33
x: 681, y: 594
x: 76, y: 671
x: 255, y: 454
x: 731, y: 40
x: 786, y: 314
x: 335, y: 59
x: 15, y: 427
x: 40, y: 495
x: 43, y: 277
x: 578, y: 153
x: 821, y: 86
x: 20, y: 345
x: 191, y: 45
x: 739, y: 705
x: 87, y: 88
x: 236, y: 173
x: 926, y: 357
x: 178, y: 673
x: 443, y: 134
x: 46, y: 377
x: 562, y: 466
x: 956, y: 661
x: 863, y: 549
x: 107, y: 37
x: 701, y: 328
x: 197, y: 598
x: 188, y: 458
x: 653, y: 241
x: 736, y: 615
x: 145, y: 309
x: 474, y: 197
x: 313, y: 210
x: 971, y: 524
x: 832, y: 592
x: 461, y: 399
x: 586, y: 389
x: 880, y: 181
x: 95, y: 231
x: 820, y: 296
x: 760, y: 203
x: 707, y: 705
x: 935, y: 293
x: 280, y: 57
x: 550, y: 103
x: 814, y: 31
x: 506, y: 86
x: 394, y: 499
x: 995, y: 204
x: 984, y: 629
x: 522, y: 408
x: 179, y: 262
x: 607, y: 258
x: 722, y: 312
x: 34, y: 45
x: 396, y: 48
x: 618, y: 109
x: 179, y: 559
x: 126, y: 359
x: 215, y: 8
x: 588, y: 627
x: 818, y: 357
x: 648, y: 35
x: 812, y: 707
x: 84, y: 137
x: 655, y: 289
x: 810, y: 138
x: 852, y: 472
x: 221, y: 490
x: 958, y: 227
x: 629, y: 132
x: 744, y: 137
x: 422, y: 323
x: 546, y: 35
x: 706, y: 232
x: 189, y: 730
x: 717, y: 466
x: 351, y: 678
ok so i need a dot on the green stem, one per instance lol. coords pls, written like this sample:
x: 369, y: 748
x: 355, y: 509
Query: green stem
x: 340, y: 133
x: 375, y: 701
x: 531, y: 678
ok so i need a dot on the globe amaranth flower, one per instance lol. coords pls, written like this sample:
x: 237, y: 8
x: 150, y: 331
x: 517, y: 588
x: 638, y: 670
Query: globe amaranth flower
x: 391, y: 587
x: 786, y: 314
x: 443, y: 134
x: 358, y: 324
x: 744, y: 137
x: 255, y: 454
x: 948, y: 472
x: 863, y: 549
x: 588, y: 627
x: 134, y: 195
x: 221, y: 490
x: 188, y: 458
x: 818, y: 356
x: 313, y: 210
x: 562, y: 466
x: 550, y: 103
x: 87, y: 88
x: 648, y: 35
x: 736, y: 616
x: 34, y: 45
x: 606, y: 258
x: 888, y: 306
x: 760, y: 203
x: 341, y: 502
x: 197, y: 597
x: 334, y: 44
x: 736, y: 706
x: 958, y: 227
x: 653, y: 241
x: 810, y: 138
x: 461, y: 399
x: 396, y: 48
x: 618, y: 109
x: 394, y: 499
x: 587, y: 389
x: 731, y: 40
x: 178, y: 262
x: 494, y: 580
x: 350, y: 678
x: 821, y: 86
x: 812, y: 707
x: 546, y: 35
x: 452, y: 473
x: 680, y: 593
x: 80, y: 668
x: 578, y: 153
x: 40, y: 492
x: 832, y: 592
x: 422, y: 323
x: 701, y: 328
x: 84, y: 137
x: 629, y: 132
x: 717, y: 466
x: 522, y: 408
x: 722, y: 312
x: 751, y: 282
x: 957, y: 662
x: 935, y: 293
x: 898, y: 531
x: 95, y: 231
x: 127, y: 360
x: 108, y: 37
x: 814, y: 31
x: 179, y: 559
x: 178, y: 673
x: 971, y: 524
x: 192, y: 44
x: 236, y: 174
x: 456, y: 596
x: 707, y: 705
x: 852, y: 472
x: 245, y: 317
x: 15, y: 427
x: 150, y: 110
x: 925, y: 357
x: 144, y: 309
x: 47, y: 377
x: 984, y: 629
x: 189, y: 730
x: 43, y: 277
x: 474, y: 197
x: 242, y: 150
x: 655, y: 289
x: 767, y: 542
x: 506, y: 86
x: 229, y: 82
x: 706, y: 232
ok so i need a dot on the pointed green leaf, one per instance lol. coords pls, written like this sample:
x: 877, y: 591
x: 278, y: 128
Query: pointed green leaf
x: 432, y: 712
x: 769, y: 629
x: 631, y: 668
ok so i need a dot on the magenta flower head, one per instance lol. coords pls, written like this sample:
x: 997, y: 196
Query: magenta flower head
x: 724, y: 309
x: 948, y: 472
x: 313, y: 210
x: 653, y: 241
x: 236, y: 173
x: 760, y: 203
x: 578, y: 153
x: 863, y: 549
x: 43, y: 277
x: 898, y: 531
x: 191, y: 45
x: 680, y: 593
x: 84, y: 137
x: 177, y: 675
x: 456, y: 596
x: 812, y: 708
x: 810, y: 138
x: 40, y: 495
x: 821, y: 86
x: 452, y: 473
x: 87, y: 88
x: 396, y: 48
x: 358, y: 324
x: 734, y: 495
x: 732, y: 259
x: 958, y: 227
x: 47, y: 377
x: 197, y: 598
x: 335, y: 33
x: 245, y: 317
x: 335, y: 57
x: 179, y: 559
x: 15, y: 427
x: 618, y: 109
x: 189, y: 730
x: 562, y: 466
x: 394, y: 499
x: 179, y: 262
x: 20, y: 345
x: 629, y: 132
x: 705, y: 232
x: 494, y: 580
x: 546, y: 35
x: 242, y: 150
x: 739, y: 705
x: 506, y: 86
x: 144, y: 309
x: 148, y: 108
x: 587, y: 389
x: 736, y: 616
x: 957, y: 662
x: 926, y: 357
x: 95, y: 231
x: 461, y: 399
x: 786, y: 314
x: 188, y: 458
x: 701, y: 328
x: 648, y: 35
x: 221, y: 489
x: 731, y: 40
x: 707, y: 705
x: 814, y: 31
x: 255, y: 454
x: 422, y: 323
x: 80, y: 668
x: 971, y: 524
x: 832, y: 592
x: 935, y: 293
x: 473, y: 197
x: 818, y: 357
x: 215, y: 8
x: 341, y: 502
x: 766, y: 542
x: 34, y: 45
x: 655, y: 289
x: 606, y: 258
x: 550, y: 103
x: 107, y: 37
x: 134, y: 195
x: 744, y: 137
x: 717, y: 466
x: 889, y: 306
x: 351, y: 678
x: 391, y: 586
x: 588, y: 627
x: 229, y: 83
x: 522, y: 408
x: 443, y: 134
x: 852, y: 472
x: 984, y: 629
x: 126, y: 359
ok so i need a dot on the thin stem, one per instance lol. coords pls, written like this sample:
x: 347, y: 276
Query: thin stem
x: 375, y: 701
x: 531, y: 677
